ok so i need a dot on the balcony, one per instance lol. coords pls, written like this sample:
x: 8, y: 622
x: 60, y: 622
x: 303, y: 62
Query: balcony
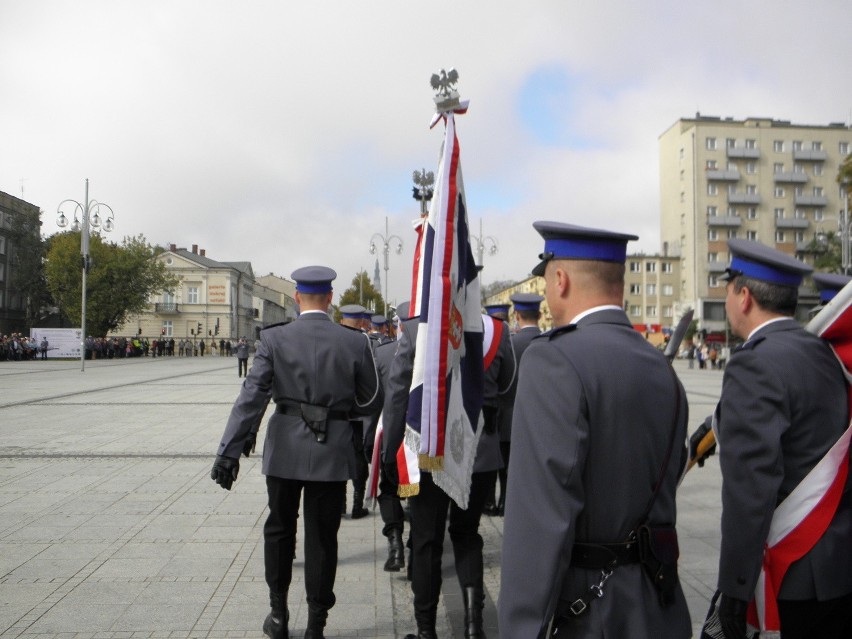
x: 791, y: 223
x: 795, y: 177
x: 743, y: 198
x: 742, y: 152
x: 724, y: 220
x: 716, y: 267
x: 810, y: 155
x: 810, y: 200
x: 730, y: 175
x: 166, y: 308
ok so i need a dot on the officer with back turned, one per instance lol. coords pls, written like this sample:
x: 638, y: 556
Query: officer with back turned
x: 597, y: 450
x: 319, y: 374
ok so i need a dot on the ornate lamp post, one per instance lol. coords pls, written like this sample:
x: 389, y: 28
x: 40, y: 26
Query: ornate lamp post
x: 386, y: 244
x: 89, y: 217
x: 844, y: 228
x: 481, y: 242
x: 423, y: 189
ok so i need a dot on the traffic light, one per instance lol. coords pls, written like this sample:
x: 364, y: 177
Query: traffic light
x: 199, y: 328
x: 217, y: 327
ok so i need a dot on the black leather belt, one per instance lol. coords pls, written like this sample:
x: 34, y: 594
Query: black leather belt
x: 293, y: 409
x: 604, y: 556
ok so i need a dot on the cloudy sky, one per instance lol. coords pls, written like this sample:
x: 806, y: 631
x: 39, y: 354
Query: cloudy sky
x: 284, y: 133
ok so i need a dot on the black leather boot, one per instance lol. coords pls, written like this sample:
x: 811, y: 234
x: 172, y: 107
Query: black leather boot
x: 501, y: 505
x: 316, y: 624
x: 275, y: 624
x: 473, y: 604
x: 358, y: 510
x: 396, y: 552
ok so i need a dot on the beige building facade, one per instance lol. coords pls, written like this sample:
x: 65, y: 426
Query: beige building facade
x: 759, y: 179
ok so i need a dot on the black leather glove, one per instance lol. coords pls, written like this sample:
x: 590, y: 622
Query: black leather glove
x: 732, y: 616
x: 225, y: 470
x: 249, y: 445
x: 695, y: 441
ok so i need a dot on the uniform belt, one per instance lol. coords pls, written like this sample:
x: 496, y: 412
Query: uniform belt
x: 293, y: 409
x: 604, y: 556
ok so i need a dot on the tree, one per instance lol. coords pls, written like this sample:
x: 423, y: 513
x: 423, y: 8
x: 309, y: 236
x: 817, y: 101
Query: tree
x: 827, y: 252
x: 844, y: 174
x: 27, y: 259
x: 495, y: 287
x: 120, y: 280
x: 361, y: 292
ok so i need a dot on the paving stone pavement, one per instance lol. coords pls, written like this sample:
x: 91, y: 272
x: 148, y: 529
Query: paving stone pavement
x: 110, y: 527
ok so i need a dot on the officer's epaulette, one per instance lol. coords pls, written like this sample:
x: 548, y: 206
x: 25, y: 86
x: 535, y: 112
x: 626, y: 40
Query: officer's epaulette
x: 274, y: 325
x: 556, y: 332
x: 745, y: 346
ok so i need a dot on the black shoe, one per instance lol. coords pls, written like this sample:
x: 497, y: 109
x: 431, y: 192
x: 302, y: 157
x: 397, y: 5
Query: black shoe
x: 396, y: 552
x: 490, y: 510
x: 275, y: 624
x: 423, y: 634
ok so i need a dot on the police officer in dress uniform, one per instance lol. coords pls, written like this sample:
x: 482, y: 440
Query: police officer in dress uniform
x: 390, y: 504
x: 828, y: 285
x: 526, y: 314
x: 500, y: 312
x: 379, y: 328
x: 783, y: 405
x: 352, y: 317
x: 598, y: 424
x: 319, y: 375
x: 431, y: 506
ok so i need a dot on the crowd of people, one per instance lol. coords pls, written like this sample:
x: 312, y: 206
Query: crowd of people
x: 17, y: 347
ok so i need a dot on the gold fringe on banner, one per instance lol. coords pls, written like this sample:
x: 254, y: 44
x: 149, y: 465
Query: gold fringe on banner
x: 408, y: 490
x: 429, y: 464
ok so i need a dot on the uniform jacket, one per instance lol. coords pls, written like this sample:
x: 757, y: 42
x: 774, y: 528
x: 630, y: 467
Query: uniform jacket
x: 784, y: 404
x: 593, y: 416
x: 520, y: 341
x: 498, y: 379
x: 315, y: 361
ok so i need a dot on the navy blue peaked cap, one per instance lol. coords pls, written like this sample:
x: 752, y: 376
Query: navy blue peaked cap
x: 353, y: 311
x: 492, y: 309
x: 571, y: 242
x: 313, y: 279
x: 829, y: 284
x: 761, y: 262
x: 526, y: 301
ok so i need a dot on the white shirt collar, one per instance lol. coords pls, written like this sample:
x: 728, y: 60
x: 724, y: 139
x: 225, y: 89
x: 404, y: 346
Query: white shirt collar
x: 767, y: 323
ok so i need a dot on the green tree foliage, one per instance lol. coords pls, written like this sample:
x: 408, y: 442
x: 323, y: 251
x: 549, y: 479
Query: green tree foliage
x: 27, y: 259
x: 361, y: 292
x: 120, y: 281
x: 844, y: 174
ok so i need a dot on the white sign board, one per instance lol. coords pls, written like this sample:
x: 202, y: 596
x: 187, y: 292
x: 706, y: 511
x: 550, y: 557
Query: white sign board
x: 64, y: 343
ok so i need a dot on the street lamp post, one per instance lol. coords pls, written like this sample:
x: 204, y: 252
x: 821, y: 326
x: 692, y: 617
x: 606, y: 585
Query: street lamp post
x: 481, y: 241
x: 386, y: 244
x: 88, y: 218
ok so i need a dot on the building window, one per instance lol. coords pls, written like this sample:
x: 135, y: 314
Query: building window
x: 635, y: 268
x: 800, y: 236
x: 2, y: 271
x: 751, y: 144
x: 751, y: 189
x: 168, y: 298
x: 712, y: 257
x: 751, y: 168
x: 635, y: 289
x: 732, y: 234
x: 712, y: 189
x: 779, y: 214
x: 192, y: 295
x: 168, y: 328
x: 843, y: 148
x: 667, y: 267
x: 818, y: 169
x: 752, y: 213
x: 712, y: 235
x: 667, y: 311
x: 635, y: 310
x: 2, y: 245
x: 751, y: 235
x: 668, y: 289
x: 818, y: 191
x: 819, y: 216
x: 711, y: 211
x: 778, y: 167
x: 731, y: 143
x: 801, y: 214
x: 650, y: 267
x: 650, y: 311
x: 816, y: 146
x: 778, y: 146
x: 651, y: 289
x: 797, y: 145
x: 779, y: 236
x: 681, y: 153
x: 798, y: 168
x: 779, y: 191
x: 711, y: 144
x: 713, y: 281
x: 711, y: 165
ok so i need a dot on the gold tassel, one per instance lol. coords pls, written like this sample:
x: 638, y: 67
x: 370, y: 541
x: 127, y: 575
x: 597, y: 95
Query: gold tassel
x: 408, y: 490
x: 429, y: 464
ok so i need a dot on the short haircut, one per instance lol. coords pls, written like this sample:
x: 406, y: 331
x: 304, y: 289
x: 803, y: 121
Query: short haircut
x: 608, y: 277
x: 529, y: 316
x: 775, y: 298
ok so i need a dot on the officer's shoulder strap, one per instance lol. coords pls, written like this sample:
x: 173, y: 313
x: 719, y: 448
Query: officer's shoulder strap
x: 556, y: 332
x: 749, y: 345
x: 274, y: 325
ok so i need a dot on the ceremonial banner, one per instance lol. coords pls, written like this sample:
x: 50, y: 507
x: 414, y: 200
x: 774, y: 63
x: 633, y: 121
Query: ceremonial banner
x: 447, y: 383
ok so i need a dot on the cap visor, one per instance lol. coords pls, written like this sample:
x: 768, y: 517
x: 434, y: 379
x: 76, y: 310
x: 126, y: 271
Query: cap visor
x: 538, y: 271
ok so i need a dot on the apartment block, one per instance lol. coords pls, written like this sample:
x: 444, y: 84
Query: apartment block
x: 759, y: 179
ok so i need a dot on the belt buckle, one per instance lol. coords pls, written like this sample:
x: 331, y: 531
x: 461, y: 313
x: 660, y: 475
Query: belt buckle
x: 578, y: 607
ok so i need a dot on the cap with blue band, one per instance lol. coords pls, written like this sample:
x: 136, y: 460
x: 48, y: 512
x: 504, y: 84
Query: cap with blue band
x: 761, y: 262
x: 571, y: 242
x: 313, y: 279
x: 526, y: 301
x: 830, y: 284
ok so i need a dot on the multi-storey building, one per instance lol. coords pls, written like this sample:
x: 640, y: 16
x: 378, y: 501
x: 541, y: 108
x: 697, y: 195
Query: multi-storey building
x: 13, y: 302
x: 758, y: 179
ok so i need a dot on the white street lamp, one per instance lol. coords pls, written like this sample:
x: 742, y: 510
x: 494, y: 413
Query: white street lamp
x: 481, y: 241
x: 88, y: 218
x: 386, y: 242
